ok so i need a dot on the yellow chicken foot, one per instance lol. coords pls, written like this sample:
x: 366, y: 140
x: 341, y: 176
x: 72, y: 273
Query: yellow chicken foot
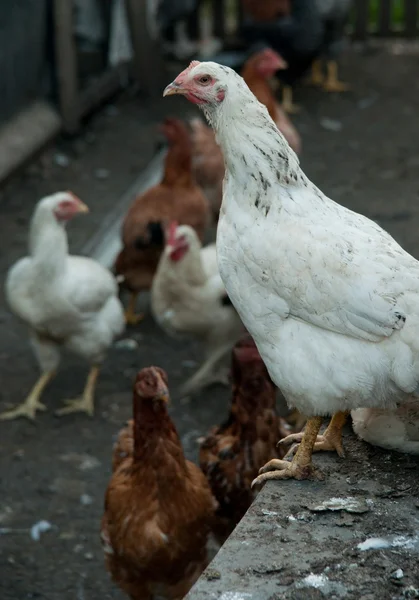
x: 332, y: 83
x: 330, y: 440
x: 301, y: 466
x: 130, y: 315
x: 86, y: 402
x: 317, y: 76
x: 287, y: 101
x: 32, y: 404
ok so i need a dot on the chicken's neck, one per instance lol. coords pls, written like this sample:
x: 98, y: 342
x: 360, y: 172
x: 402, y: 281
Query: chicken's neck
x: 154, y: 435
x: 256, y: 154
x: 178, y: 166
x: 48, y: 244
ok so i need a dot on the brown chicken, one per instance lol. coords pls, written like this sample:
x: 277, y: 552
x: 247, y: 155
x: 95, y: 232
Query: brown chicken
x: 232, y: 453
x: 158, y: 506
x: 257, y: 72
x: 208, y: 164
x: 176, y: 198
x: 124, y: 445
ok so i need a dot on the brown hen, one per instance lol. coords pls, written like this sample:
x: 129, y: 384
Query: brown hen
x: 158, y: 506
x: 232, y: 453
x: 176, y: 198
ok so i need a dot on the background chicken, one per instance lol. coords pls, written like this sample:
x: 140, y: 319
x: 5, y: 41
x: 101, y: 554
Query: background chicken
x: 176, y: 197
x: 68, y: 302
x: 158, y: 506
x: 232, y: 454
x: 335, y: 15
x: 188, y: 297
x: 257, y: 72
x: 293, y: 29
x: 337, y: 323
x: 396, y: 429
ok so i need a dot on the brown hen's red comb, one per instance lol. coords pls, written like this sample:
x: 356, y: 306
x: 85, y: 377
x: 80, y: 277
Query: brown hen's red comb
x: 171, y: 233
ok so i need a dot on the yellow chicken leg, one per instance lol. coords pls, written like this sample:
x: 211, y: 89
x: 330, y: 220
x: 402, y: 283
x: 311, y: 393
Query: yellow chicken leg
x: 330, y: 440
x: 287, y: 101
x: 130, y: 315
x: 332, y: 83
x: 301, y: 466
x: 32, y: 404
x: 86, y: 402
x: 317, y: 76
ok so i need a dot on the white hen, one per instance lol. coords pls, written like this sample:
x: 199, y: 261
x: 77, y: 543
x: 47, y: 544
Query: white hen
x: 189, y: 298
x: 331, y: 300
x: 68, y: 302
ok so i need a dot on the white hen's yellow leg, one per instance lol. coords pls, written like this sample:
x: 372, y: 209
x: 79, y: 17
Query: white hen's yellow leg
x: 332, y: 83
x: 317, y: 77
x: 86, y: 403
x: 32, y: 403
x: 301, y: 466
x: 287, y: 101
x: 330, y: 440
x: 131, y: 317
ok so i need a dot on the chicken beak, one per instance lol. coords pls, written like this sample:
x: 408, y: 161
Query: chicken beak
x: 174, y: 88
x: 82, y: 207
x: 163, y: 396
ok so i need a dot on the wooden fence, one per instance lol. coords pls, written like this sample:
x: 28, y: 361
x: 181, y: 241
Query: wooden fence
x: 378, y: 18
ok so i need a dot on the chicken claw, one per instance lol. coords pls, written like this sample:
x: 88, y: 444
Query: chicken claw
x: 26, y: 409
x: 301, y: 466
x: 32, y: 404
x: 332, y: 83
x: 85, y: 403
x: 283, y: 469
x: 131, y: 317
x: 329, y: 441
x: 81, y: 404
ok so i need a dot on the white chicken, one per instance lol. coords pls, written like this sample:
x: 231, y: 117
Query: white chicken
x: 330, y: 298
x: 391, y: 429
x: 189, y: 298
x: 67, y: 301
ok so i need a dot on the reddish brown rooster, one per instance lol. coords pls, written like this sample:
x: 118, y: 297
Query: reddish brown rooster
x: 176, y: 198
x: 158, y: 506
x: 232, y: 453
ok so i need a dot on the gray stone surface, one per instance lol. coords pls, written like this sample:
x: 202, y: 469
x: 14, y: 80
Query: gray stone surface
x: 300, y: 540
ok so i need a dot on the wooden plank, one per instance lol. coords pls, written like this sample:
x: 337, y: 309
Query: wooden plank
x: 25, y: 135
x: 361, y: 22
x: 384, y: 18
x: 219, y: 18
x: 411, y: 18
x: 66, y: 61
x: 149, y: 65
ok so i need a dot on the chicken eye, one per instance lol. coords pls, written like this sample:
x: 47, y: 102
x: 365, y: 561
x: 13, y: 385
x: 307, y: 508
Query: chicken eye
x: 205, y: 79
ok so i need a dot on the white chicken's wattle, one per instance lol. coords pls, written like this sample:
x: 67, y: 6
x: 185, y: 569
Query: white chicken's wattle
x: 67, y: 301
x: 329, y: 297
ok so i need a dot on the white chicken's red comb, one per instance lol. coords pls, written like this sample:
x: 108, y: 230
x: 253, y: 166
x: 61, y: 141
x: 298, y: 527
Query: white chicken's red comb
x: 171, y: 233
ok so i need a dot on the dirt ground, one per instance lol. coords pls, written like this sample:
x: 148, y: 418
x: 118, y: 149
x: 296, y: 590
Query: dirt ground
x: 360, y: 148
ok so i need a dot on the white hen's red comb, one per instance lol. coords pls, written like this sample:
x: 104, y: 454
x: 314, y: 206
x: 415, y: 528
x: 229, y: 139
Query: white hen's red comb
x: 171, y: 233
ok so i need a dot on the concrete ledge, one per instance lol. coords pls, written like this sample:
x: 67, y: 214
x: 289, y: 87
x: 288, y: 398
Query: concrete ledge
x: 25, y: 135
x: 291, y: 545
